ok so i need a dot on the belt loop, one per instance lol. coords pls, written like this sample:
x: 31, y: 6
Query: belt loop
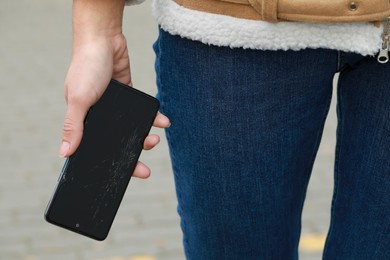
x: 256, y: 4
x: 270, y: 10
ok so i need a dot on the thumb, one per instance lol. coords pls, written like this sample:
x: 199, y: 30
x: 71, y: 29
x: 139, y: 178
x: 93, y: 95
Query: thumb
x: 72, y: 131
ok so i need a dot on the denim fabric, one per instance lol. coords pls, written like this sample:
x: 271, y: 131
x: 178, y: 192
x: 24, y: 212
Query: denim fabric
x: 246, y: 127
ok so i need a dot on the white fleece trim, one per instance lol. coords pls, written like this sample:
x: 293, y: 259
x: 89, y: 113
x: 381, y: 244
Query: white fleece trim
x: 220, y: 30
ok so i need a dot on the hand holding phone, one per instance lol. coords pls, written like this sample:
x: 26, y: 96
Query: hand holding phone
x: 94, y: 179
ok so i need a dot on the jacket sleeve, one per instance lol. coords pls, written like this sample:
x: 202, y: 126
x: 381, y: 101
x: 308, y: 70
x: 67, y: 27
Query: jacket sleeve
x: 134, y: 2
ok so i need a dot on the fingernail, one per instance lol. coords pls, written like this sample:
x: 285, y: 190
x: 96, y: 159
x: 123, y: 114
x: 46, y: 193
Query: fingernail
x: 64, y: 149
x: 169, y: 122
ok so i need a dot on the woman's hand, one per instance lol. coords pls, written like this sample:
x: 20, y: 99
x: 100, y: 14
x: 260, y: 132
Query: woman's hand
x: 99, y: 55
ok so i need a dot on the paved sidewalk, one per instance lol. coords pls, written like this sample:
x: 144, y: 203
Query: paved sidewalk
x: 34, y: 55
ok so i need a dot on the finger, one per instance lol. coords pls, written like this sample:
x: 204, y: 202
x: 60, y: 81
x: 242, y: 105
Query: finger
x: 151, y: 141
x: 141, y: 171
x: 161, y: 121
x: 72, y: 129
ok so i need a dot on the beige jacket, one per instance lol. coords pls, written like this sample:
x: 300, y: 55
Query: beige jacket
x: 297, y: 10
x: 228, y: 30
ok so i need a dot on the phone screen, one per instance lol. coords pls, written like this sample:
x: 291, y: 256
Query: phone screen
x: 95, y: 178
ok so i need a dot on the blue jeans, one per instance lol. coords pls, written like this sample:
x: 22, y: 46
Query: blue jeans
x: 246, y: 126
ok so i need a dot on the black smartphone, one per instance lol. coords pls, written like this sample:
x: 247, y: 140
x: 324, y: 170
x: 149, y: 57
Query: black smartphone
x: 94, y: 179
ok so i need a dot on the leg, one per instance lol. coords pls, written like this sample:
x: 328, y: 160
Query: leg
x: 360, y: 226
x: 246, y: 126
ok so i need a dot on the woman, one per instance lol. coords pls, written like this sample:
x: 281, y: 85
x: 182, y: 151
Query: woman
x: 247, y: 95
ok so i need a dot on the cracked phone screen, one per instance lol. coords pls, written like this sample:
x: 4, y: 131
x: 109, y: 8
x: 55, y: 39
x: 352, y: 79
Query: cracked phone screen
x: 95, y: 178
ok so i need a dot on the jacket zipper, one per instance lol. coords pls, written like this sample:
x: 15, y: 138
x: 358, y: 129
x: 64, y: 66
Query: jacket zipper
x: 383, y: 56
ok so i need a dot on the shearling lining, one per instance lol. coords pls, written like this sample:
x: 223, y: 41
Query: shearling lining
x: 220, y: 30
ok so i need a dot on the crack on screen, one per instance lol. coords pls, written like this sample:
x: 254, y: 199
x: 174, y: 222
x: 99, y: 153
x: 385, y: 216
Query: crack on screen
x: 117, y: 172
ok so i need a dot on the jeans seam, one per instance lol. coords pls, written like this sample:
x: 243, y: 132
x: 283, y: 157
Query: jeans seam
x: 338, y: 61
x: 168, y: 136
x: 339, y: 135
x: 341, y: 61
x: 158, y: 65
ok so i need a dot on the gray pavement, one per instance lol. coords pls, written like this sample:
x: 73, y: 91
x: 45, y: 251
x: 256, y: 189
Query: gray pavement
x: 34, y: 54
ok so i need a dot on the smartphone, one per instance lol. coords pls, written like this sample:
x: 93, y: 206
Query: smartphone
x: 94, y: 179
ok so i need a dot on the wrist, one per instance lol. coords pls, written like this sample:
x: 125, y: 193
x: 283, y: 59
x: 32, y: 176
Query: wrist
x: 103, y: 45
x: 97, y: 19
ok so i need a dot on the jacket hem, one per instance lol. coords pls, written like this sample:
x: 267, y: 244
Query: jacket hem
x: 221, y: 30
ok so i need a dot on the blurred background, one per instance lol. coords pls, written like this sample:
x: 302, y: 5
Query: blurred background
x: 35, y: 49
